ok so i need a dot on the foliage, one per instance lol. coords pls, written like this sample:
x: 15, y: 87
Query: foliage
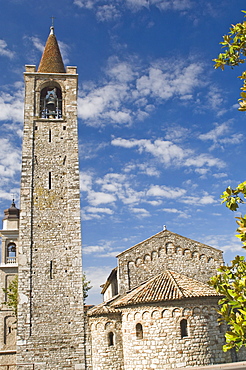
x: 232, y: 199
x: 231, y: 280
x: 86, y: 286
x: 12, y: 295
x: 235, y: 44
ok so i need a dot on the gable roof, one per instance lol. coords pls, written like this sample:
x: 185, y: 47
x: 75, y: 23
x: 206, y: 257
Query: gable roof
x: 167, y: 233
x: 51, y: 61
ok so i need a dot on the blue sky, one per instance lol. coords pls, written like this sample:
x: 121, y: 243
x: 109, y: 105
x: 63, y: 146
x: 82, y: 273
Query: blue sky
x: 159, y: 132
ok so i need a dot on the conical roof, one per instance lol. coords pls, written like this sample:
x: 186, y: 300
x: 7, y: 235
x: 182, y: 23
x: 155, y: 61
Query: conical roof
x: 51, y: 61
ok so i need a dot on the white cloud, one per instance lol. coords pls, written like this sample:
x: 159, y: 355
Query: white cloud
x: 96, y: 198
x: 160, y: 83
x: 4, y: 51
x: 148, y: 170
x: 85, y: 181
x: 165, y: 151
x: 64, y: 49
x: 122, y: 187
x: 225, y: 242
x: 215, y: 98
x: 5, y: 195
x: 130, y: 92
x: 92, y: 249
x: 10, y: 165
x: 137, y: 4
x: 218, y: 131
x: 133, y: 5
x: 219, y: 175
x: 221, y: 135
x: 176, y: 133
x: 140, y: 212
x: 204, y: 160
x: 204, y: 199
x: 88, y: 4
x: 97, y: 276
x: 107, y: 12
x: 104, y: 249
x: 121, y: 71
x: 99, y: 210
x: 104, y: 104
x: 37, y: 43
x: 202, y: 171
x: 177, y: 212
x: 165, y: 191
x: 169, y: 153
x: 11, y: 106
x: 10, y: 158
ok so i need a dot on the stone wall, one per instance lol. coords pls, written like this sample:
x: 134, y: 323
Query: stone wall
x: 166, y: 250
x: 162, y: 345
x: 50, y: 312
x: 106, y: 342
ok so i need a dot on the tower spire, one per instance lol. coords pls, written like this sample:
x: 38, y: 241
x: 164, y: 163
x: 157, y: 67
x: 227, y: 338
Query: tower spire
x: 51, y: 61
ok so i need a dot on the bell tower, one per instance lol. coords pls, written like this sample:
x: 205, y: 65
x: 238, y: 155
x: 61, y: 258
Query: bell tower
x: 50, y: 332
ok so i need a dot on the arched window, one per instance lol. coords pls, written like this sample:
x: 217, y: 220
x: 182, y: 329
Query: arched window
x: 11, y: 253
x: 139, y: 331
x: 51, y: 102
x: 183, y: 328
x: 110, y: 339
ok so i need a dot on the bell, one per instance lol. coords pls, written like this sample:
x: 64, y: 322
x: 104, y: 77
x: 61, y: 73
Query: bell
x: 51, y: 103
x: 51, y: 100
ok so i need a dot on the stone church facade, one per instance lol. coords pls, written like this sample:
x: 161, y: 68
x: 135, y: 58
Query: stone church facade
x: 158, y: 310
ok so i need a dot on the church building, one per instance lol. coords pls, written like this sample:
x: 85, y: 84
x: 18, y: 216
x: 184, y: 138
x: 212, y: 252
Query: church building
x: 158, y: 311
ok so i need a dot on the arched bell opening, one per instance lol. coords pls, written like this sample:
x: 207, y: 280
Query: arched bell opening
x: 11, y: 253
x: 51, y: 102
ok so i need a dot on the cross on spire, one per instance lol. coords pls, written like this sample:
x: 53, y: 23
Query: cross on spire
x: 52, y: 21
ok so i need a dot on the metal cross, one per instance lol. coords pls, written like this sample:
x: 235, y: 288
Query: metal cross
x: 52, y: 21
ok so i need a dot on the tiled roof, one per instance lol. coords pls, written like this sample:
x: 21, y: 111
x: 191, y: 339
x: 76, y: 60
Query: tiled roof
x: 102, y: 309
x: 51, y: 61
x: 166, y: 286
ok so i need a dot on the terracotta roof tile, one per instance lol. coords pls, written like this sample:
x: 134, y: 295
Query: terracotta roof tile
x: 102, y: 309
x: 51, y: 61
x: 166, y: 286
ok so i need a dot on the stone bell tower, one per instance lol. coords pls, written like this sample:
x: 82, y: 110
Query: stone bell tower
x: 50, y: 333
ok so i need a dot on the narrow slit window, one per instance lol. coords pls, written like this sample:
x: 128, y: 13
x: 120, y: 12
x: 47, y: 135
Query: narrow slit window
x: 49, y: 136
x: 51, y: 269
x: 49, y: 180
x: 183, y: 328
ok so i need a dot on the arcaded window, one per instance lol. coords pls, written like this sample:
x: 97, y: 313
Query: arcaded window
x: 139, y: 331
x: 11, y: 253
x: 110, y: 339
x: 51, y: 103
x: 183, y: 328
